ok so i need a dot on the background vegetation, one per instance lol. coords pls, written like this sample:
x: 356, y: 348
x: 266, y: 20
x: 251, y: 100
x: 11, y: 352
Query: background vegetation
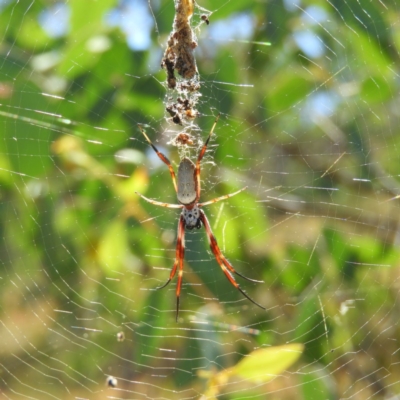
x: 309, y: 124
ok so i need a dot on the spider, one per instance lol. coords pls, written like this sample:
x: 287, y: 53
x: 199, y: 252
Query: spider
x: 187, y: 188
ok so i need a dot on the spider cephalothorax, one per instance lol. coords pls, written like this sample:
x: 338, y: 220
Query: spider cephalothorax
x: 187, y: 188
x: 192, y: 218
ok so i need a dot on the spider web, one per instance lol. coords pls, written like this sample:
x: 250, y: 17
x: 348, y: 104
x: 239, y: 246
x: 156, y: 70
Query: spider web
x: 307, y: 93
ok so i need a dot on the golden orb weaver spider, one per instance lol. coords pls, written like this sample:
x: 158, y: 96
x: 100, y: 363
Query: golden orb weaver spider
x: 187, y: 188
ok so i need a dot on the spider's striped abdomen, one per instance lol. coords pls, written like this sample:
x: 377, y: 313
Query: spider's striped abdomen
x: 186, y: 182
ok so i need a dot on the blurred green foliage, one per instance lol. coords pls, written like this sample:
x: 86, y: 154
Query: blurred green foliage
x: 314, y: 137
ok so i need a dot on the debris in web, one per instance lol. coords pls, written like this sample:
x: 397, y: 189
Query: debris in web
x: 111, y: 382
x: 183, y: 79
x: 181, y: 43
x: 181, y: 109
x: 182, y: 139
x: 204, y: 17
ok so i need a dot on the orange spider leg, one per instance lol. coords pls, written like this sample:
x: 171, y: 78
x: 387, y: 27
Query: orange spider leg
x: 217, y: 252
x: 226, y: 196
x: 179, y: 255
x: 159, y: 203
x: 180, y: 273
x: 199, y: 158
x: 223, y: 262
x: 162, y: 158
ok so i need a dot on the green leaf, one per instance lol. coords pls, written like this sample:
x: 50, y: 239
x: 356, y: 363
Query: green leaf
x: 265, y: 364
x: 260, y: 366
x: 77, y: 56
x: 286, y: 90
x: 368, y: 56
x: 316, y: 385
x: 32, y: 35
x: 309, y: 317
x: 376, y: 89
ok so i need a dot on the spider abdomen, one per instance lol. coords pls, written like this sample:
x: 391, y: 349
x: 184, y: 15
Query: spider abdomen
x: 186, y: 182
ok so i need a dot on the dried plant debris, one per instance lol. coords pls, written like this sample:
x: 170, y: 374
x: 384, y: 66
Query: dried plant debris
x: 169, y: 66
x: 182, y: 139
x: 179, y: 54
x: 181, y: 109
x: 181, y: 102
x: 189, y: 86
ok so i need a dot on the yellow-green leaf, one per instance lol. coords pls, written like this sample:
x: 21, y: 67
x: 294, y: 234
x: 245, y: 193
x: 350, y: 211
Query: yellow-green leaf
x: 265, y: 364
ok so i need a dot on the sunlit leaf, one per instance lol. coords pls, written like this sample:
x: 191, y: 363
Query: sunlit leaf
x: 265, y: 364
x: 376, y: 89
